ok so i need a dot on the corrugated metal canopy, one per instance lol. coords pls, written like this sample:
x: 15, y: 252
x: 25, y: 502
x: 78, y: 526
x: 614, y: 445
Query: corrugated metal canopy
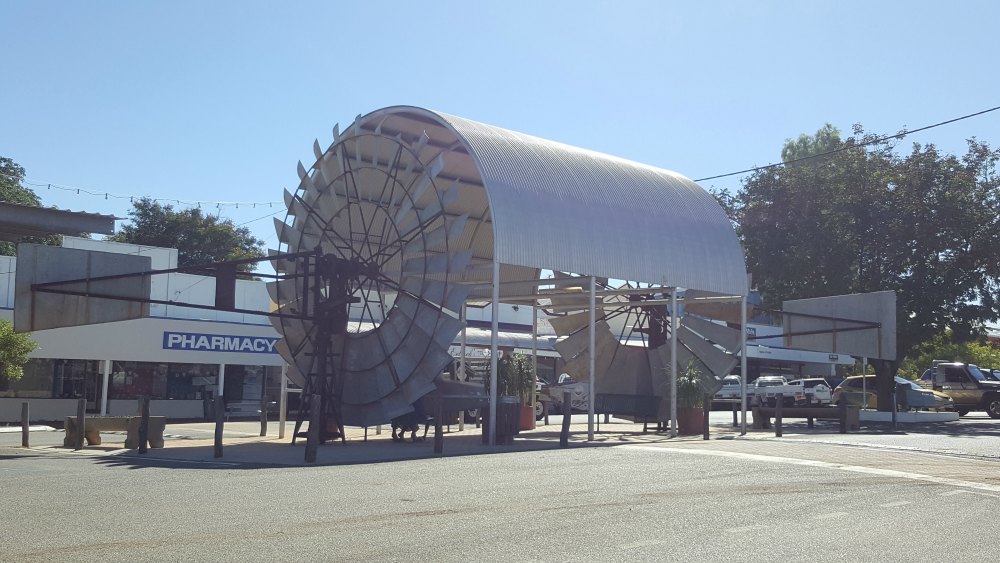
x: 559, y: 207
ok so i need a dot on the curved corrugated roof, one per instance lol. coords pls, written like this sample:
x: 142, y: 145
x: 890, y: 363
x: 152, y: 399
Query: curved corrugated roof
x: 560, y: 207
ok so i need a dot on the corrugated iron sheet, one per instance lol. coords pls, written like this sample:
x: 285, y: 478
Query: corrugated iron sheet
x: 559, y: 207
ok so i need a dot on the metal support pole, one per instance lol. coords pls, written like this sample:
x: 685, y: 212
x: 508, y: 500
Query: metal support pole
x: 494, y: 351
x: 743, y: 363
x: 283, y: 402
x: 105, y: 385
x: 534, y: 356
x: 222, y: 381
x: 263, y: 403
x: 25, y: 424
x: 590, y: 383
x: 461, y: 367
x: 673, y: 363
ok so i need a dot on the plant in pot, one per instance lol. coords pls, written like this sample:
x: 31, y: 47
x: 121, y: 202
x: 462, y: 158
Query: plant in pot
x: 690, y: 401
x: 515, y: 384
x: 517, y: 373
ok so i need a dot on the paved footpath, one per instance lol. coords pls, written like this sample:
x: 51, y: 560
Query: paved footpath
x: 957, y: 454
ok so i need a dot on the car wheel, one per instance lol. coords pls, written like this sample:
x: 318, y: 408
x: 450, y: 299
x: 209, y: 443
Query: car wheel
x: 471, y: 415
x: 993, y: 407
x: 541, y: 409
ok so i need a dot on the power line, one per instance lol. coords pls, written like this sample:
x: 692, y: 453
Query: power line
x: 876, y: 140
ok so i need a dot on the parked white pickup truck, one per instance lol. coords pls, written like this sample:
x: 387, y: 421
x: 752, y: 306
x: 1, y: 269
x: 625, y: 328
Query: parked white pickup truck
x: 810, y: 391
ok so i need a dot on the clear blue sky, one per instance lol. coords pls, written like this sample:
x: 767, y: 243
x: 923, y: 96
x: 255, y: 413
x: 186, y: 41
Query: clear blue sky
x: 217, y: 101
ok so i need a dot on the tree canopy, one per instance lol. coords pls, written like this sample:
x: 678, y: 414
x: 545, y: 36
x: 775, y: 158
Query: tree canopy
x: 14, y: 350
x: 198, y: 238
x: 12, y: 190
x: 867, y: 219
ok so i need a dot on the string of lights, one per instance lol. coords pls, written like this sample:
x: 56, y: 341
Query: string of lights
x: 132, y: 198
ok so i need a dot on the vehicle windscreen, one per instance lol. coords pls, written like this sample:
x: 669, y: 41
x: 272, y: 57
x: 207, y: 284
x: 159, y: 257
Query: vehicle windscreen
x: 980, y: 376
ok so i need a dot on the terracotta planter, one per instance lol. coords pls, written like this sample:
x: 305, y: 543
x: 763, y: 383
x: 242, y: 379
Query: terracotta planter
x: 690, y: 421
x: 527, y: 418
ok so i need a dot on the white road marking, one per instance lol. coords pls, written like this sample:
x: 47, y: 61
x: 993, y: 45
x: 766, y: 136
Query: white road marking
x: 828, y: 465
x: 643, y: 543
x: 742, y: 529
x: 830, y: 515
x: 952, y: 493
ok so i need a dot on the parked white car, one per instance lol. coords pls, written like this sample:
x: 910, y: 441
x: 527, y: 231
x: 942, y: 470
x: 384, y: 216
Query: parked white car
x: 731, y: 388
x: 812, y: 391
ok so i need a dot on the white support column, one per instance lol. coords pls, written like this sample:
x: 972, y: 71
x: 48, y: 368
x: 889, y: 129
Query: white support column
x: 673, y: 363
x: 864, y: 384
x: 593, y: 338
x: 105, y: 384
x: 222, y: 380
x: 461, y: 360
x: 743, y: 366
x: 494, y: 350
x: 283, y: 402
x: 534, y: 353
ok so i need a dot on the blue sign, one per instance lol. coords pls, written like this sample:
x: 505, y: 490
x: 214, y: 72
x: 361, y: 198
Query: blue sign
x: 218, y: 343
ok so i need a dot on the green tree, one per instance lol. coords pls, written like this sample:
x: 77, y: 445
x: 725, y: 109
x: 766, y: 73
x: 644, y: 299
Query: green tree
x: 946, y: 347
x: 866, y: 219
x: 14, y: 350
x: 12, y: 190
x: 198, y: 238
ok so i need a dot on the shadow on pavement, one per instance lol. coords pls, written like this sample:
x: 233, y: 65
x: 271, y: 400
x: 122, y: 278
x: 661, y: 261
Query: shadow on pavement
x: 269, y: 453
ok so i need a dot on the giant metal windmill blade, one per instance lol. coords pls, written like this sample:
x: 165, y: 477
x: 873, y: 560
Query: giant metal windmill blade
x: 373, y: 204
x: 632, y: 352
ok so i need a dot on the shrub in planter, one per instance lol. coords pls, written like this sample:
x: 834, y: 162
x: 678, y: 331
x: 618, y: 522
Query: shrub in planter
x: 690, y: 401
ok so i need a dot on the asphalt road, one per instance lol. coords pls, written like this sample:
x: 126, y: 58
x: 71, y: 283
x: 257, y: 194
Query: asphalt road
x: 721, y: 500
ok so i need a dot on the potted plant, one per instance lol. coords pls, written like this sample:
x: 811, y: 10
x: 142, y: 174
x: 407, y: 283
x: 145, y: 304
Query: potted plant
x: 518, y: 381
x: 515, y: 383
x: 690, y: 401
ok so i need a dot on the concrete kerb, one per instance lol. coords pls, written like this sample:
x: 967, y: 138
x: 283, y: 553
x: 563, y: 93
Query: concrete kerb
x: 193, y: 443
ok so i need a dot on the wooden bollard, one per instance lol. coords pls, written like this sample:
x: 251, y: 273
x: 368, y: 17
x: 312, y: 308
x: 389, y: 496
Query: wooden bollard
x: 438, y: 431
x: 143, y: 424
x: 706, y: 407
x: 312, y: 435
x: 25, y: 424
x: 81, y: 412
x: 567, y: 410
x: 220, y: 418
x: 263, y: 416
x: 777, y: 414
x: 843, y: 416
